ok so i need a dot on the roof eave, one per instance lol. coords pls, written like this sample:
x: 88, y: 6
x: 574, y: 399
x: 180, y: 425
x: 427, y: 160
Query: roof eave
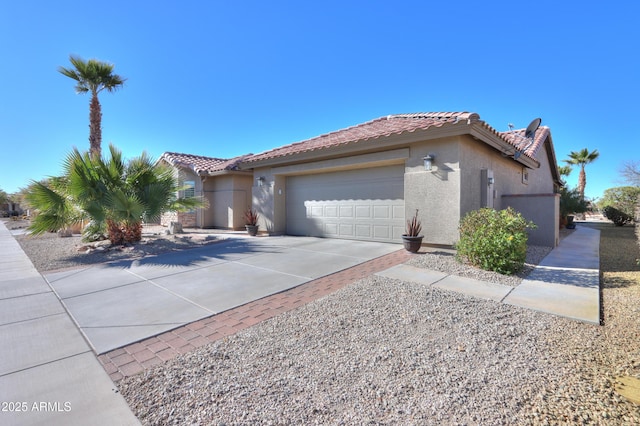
x: 488, y: 135
x: 381, y: 143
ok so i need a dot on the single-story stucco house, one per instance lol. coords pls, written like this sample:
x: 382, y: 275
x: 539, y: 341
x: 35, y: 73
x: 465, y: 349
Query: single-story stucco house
x: 364, y: 181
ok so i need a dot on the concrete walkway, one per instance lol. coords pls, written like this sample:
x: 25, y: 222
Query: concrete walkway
x: 565, y: 283
x: 48, y: 373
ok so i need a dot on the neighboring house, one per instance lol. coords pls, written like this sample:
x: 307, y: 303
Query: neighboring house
x: 10, y: 208
x: 364, y: 181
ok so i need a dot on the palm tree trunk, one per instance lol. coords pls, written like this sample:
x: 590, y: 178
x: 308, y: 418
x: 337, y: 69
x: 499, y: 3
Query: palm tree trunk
x: 582, y: 182
x: 116, y: 236
x: 95, y: 131
x: 132, y: 232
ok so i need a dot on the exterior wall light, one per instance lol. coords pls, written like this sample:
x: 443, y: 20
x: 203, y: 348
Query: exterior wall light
x: 428, y: 161
x: 260, y: 180
x: 490, y: 181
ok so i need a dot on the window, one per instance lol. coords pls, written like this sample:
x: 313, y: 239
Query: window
x: 189, y: 189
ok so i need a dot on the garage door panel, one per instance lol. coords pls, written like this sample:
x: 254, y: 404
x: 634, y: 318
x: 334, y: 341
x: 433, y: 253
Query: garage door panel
x: 381, y: 212
x: 362, y: 204
x: 331, y: 211
x: 382, y: 232
x: 346, y: 212
x: 363, y: 212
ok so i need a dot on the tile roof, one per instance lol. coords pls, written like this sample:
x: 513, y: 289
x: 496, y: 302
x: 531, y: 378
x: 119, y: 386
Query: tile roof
x: 380, y: 127
x: 202, y: 165
x: 528, y: 147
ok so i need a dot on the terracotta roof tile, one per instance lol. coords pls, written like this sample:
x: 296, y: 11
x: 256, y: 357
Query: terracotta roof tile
x: 530, y: 149
x: 380, y: 127
x: 201, y: 164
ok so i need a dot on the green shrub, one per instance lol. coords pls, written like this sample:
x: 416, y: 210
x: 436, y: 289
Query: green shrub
x: 619, y: 218
x: 494, y: 240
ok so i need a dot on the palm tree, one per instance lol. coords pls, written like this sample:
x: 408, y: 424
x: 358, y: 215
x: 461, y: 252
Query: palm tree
x: 582, y: 158
x: 93, y: 76
x: 564, y: 171
x: 117, y: 196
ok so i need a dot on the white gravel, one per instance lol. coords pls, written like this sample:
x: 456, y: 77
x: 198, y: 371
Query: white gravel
x: 382, y: 351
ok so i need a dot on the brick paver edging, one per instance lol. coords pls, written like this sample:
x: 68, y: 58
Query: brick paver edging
x: 133, y: 359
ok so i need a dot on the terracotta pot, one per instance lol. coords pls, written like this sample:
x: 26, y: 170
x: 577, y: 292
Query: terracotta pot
x: 412, y: 244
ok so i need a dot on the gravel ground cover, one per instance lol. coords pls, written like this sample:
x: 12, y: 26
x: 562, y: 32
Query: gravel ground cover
x: 48, y: 252
x: 383, y: 351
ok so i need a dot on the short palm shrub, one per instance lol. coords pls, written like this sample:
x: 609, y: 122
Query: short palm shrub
x: 115, y: 195
x: 494, y: 240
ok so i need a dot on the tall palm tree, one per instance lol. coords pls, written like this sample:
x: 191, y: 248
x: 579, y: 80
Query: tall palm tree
x: 93, y: 76
x: 582, y: 158
x: 116, y: 195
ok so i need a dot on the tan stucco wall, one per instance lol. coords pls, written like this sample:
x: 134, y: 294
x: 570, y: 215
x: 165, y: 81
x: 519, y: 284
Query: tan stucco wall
x: 534, y: 199
x: 229, y: 196
x: 434, y: 193
x: 541, y: 209
x: 264, y: 202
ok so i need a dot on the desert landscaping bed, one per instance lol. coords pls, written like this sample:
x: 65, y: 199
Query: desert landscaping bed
x: 383, y: 351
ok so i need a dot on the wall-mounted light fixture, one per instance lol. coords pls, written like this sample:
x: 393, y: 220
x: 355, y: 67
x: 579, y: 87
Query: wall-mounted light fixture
x: 490, y: 180
x: 260, y: 180
x: 428, y: 161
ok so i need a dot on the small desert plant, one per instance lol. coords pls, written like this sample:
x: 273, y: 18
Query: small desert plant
x: 414, y: 226
x: 494, y: 240
x: 251, y: 217
x: 619, y: 218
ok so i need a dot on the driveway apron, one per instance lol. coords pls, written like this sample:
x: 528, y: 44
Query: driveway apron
x: 127, y: 301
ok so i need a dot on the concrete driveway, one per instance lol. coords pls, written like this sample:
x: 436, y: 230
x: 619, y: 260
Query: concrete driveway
x: 124, y: 302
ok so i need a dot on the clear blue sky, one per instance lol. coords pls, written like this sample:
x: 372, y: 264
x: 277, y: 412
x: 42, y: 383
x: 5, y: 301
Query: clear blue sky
x: 224, y: 78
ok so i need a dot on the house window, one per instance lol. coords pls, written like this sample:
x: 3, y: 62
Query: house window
x: 189, y: 189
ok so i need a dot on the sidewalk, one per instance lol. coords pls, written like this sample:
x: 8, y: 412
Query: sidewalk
x: 565, y: 283
x: 48, y: 373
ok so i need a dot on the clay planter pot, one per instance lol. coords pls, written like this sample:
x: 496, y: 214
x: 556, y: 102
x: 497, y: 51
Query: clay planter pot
x: 252, y: 230
x: 412, y: 244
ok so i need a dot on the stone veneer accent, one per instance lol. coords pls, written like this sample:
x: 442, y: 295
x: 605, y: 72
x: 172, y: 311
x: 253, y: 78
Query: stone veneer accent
x: 188, y: 220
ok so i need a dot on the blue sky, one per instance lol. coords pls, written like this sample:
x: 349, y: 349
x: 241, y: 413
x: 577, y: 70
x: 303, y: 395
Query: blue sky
x: 228, y: 78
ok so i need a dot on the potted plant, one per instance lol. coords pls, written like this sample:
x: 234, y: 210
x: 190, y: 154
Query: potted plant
x: 412, y: 239
x: 251, y: 221
x: 570, y: 203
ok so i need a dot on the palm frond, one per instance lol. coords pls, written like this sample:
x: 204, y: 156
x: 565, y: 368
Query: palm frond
x: 53, y: 210
x: 124, y: 207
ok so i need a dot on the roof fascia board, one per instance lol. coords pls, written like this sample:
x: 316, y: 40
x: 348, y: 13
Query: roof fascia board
x: 226, y: 172
x: 551, y: 156
x: 376, y: 159
x: 485, y: 134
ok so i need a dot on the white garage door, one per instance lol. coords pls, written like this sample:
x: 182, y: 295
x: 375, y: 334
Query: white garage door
x: 364, y: 204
